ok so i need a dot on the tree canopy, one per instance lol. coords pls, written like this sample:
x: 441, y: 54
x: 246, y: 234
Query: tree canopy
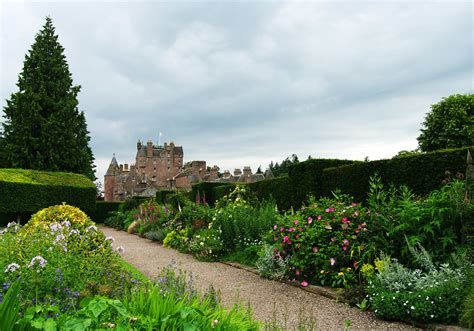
x: 449, y: 124
x: 282, y: 168
x: 43, y: 127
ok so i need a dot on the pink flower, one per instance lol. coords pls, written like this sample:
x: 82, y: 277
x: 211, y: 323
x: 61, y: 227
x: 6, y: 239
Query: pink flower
x: 344, y: 248
x: 355, y: 214
x: 282, y: 229
x: 297, y: 236
x: 333, y: 239
x: 333, y: 261
x: 295, y: 222
x: 275, y: 238
x: 354, y: 204
x: 310, y: 220
x: 274, y: 227
x: 297, y: 272
x: 344, y: 220
x: 315, y: 249
x: 285, y: 239
x: 319, y: 217
x: 304, y: 283
x: 345, y: 242
x: 291, y: 229
x: 328, y: 210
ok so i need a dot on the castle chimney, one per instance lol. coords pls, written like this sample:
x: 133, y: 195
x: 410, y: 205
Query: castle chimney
x: 125, y: 166
x: 121, y: 168
x: 139, y: 145
x: 214, y: 173
x: 149, y: 148
x: 247, y: 172
x: 237, y: 172
x: 226, y: 174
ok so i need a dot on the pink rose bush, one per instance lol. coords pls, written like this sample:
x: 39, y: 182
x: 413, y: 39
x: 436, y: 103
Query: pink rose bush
x: 324, y: 243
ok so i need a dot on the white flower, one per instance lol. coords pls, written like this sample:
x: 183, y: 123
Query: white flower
x: 432, y: 316
x: 120, y: 250
x: 91, y: 228
x: 214, y: 323
x: 110, y: 238
x: 41, y: 262
x: 412, y: 308
x: 12, y: 267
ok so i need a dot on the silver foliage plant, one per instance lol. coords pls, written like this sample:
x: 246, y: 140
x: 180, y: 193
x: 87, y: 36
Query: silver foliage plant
x: 271, y: 266
x: 396, y: 277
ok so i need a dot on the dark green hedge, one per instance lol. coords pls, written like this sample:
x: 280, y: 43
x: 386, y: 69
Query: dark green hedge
x: 24, y: 191
x: 219, y: 191
x: 6, y: 218
x: 422, y: 173
x: 207, y: 189
x: 306, y: 178
x: 161, y: 195
x: 102, y: 210
x: 279, y: 189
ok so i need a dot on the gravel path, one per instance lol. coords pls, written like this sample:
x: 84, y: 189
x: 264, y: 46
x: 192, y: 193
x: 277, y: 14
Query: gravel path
x: 268, y: 298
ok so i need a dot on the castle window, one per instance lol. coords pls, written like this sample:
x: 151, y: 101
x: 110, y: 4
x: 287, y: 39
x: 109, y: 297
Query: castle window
x: 169, y: 169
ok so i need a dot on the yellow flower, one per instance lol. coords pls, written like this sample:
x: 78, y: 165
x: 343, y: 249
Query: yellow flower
x: 340, y: 274
x: 349, y: 269
x: 322, y: 271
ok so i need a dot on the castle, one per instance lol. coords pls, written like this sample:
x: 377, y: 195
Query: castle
x: 158, y: 167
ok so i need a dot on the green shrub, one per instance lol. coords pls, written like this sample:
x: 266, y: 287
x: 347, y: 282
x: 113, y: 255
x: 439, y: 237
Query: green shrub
x: 436, y: 221
x: 59, y: 214
x: 30, y: 190
x: 103, y: 209
x: 241, y: 223
x: 422, y: 173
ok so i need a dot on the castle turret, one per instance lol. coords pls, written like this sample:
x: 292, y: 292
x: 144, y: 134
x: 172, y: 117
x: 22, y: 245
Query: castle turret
x: 139, y: 145
x: 110, y: 180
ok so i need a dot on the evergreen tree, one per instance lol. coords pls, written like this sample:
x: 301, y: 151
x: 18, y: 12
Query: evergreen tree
x: 43, y: 127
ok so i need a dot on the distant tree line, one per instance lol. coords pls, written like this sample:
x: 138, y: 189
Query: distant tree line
x: 281, y: 169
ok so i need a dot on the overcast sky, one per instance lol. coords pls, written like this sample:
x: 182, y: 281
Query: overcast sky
x: 244, y: 83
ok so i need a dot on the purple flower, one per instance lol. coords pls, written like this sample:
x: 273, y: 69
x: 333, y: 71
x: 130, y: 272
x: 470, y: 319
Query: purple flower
x: 37, y: 260
x: 333, y: 261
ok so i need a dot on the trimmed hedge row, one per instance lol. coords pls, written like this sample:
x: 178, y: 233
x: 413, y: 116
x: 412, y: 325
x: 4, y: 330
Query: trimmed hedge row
x: 102, y: 210
x: 421, y: 173
x: 280, y: 189
x: 306, y: 178
x: 24, y: 191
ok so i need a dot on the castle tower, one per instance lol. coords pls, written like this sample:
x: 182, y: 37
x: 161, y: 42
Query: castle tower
x: 110, y: 180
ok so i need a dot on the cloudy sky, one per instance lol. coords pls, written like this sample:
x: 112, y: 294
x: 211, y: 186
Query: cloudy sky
x: 244, y: 83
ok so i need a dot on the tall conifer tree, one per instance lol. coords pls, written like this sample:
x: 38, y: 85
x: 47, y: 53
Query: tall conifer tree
x: 43, y: 127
